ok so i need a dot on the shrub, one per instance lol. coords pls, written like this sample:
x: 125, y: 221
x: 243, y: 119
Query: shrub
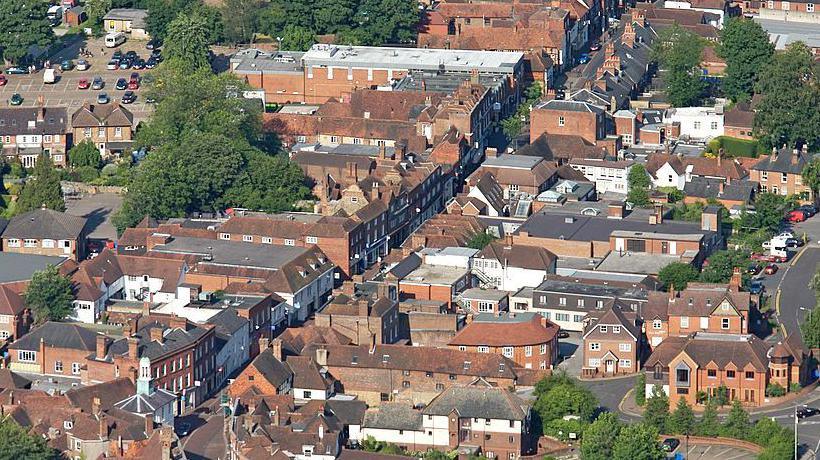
x: 86, y: 173
x: 561, y: 429
x: 795, y: 387
x: 109, y: 170
x: 775, y: 390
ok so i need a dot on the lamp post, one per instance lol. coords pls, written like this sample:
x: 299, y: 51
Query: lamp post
x: 795, y: 432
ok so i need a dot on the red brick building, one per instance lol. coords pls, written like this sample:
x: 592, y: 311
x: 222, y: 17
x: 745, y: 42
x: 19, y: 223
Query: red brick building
x: 568, y: 117
x: 612, y: 342
x: 527, y: 338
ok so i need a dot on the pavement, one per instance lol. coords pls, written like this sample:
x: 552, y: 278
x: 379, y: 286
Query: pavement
x: 98, y: 209
x: 64, y: 92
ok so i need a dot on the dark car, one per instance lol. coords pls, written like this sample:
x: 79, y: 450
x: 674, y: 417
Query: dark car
x: 139, y: 64
x: 66, y: 65
x: 135, y: 76
x: 153, y: 44
x: 16, y: 99
x: 16, y: 71
x: 122, y: 84
x: 129, y: 97
x: 806, y: 411
x: 670, y: 444
x: 595, y: 47
x: 131, y: 55
x: 756, y: 287
x: 793, y: 243
x: 754, y: 269
x: 98, y: 83
x: 117, y: 55
x: 583, y: 58
x: 150, y: 63
x: 562, y: 334
x: 125, y: 64
x: 183, y: 428
x: 103, y: 98
x: 150, y: 100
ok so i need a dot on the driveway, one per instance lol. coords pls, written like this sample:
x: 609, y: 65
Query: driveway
x: 98, y: 209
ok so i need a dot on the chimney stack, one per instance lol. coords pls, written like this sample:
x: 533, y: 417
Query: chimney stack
x: 103, y: 427
x: 149, y: 425
x: 156, y: 334
x: 276, y: 348
x: 321, y: 356
x: 736, y: 280
x: 264, y: 343
x: 133, y: 351
x: 95, y: 406
x: 102, y: 346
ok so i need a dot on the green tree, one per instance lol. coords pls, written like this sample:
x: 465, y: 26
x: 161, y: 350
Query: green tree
x: 638, y: 183
x: 49, y: 295
x: 16, y: 443
x: 23, y: 24
x: 331, y: 16
x: 272, y: 19
x: 638, y: 441
x: 746, y: 48
x: 599, y: 438
x: 677, y: 275
x: 787, y: 113
x: 546, y: 384
x: 811, y: 328
x: 85, y: 154
x: 679, y: 53
x: 296, y: 38
x: 708, y: 425
x: 656, y: 412
x: 187, y: 41
x: 563, y: 396
x: 388, y: 21
x: 737, y: 424
x: 682, y: 420
x: 640, y: 389
x: 721, y: 265
x: 43, y: 189
x: 161, y: 13
x: 269, y: 183
x: 769, y: 211
x: 811, y: 176
x: 511, y: 126
x: 240, y: 19
x: 214, y: 25
x: 95, y: 10
x: 480, y: 240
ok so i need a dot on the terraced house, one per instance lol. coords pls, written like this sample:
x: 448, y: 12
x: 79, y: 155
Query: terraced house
x: 26, y: 133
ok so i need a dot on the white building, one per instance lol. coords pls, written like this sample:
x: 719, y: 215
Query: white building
x: 609, y: 176
x: 509, y: 268
x: 716, y: 7
x: 697, y: 123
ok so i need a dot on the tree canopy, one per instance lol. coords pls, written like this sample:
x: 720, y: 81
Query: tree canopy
x: 746, y: 48
x: 656, y: 412
x: 23, y: 24
x: 721, y: 265
x: 297, y: 38
x: 599, y: 438
x: 679, y: 53
x: 162, y: 12
x: 811, y: 176
x: 187, y: 41
x: 560, y: 395
x: 49, y: 295
x: 16, y: 443
x: 43, y: 189
x: 677, y: 275
x: 787, y: 113
x: 638, y: 441
x: 84, y: 154
x: 638, y: 182
x: 95, y: 10
x: 682, y: 420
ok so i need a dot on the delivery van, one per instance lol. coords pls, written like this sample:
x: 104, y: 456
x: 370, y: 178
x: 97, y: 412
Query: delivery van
x: 49, y: 76
x: 114, y: 39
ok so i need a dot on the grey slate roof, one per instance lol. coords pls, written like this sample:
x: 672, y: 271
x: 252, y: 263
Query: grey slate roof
x: 20, y: 267
x: 782, y: 162
x: 478, y: 401
x: 58, y: 335
x: 275, y: 371
x: 227, y: 321
x: 45, y: 223
x: 146, y: 404
x: 20, y: 121
x: 394, y: 416
x: 172, y: 340
x: 571, y: 106
x: 701, y: 187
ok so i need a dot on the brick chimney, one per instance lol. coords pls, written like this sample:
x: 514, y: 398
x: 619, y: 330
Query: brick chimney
x: 615, y: 210
x: 276, y: 348
x: 795, y: 156
x: 353, y: 171
x: 103, y: 426
x: 491, y: 152
x: 133, y: 348
x: 736, y: 280
x: 362, y: 307
x: 321, y: 356
x: 264, y: 343
x: 102, y: 346
x: 96, y: 406
x: 156, y: 334
x: 156, y: 239
x: 149, y: 425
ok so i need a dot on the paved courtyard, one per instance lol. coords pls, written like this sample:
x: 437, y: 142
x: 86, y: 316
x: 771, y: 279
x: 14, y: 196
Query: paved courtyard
x: 98, y: 209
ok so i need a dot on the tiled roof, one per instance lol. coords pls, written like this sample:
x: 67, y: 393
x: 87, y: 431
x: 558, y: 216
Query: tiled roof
x: 698, y: 299
x: 701, y: 187
x: 479, y: 400
x: 519, y: 256
x: 93, y: 115
x: 23, y: 121
x: 785, y: 161
x: 561, y: 146
x: 11, y: 303
x: 45, y: 223
x: 722, y: 349
x: 393, y: 416
x: 58, y: 335
x: 109, y: 394
x: 508, y: 330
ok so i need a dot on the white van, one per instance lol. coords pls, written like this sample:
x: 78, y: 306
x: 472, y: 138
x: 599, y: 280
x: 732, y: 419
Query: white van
x: 55, y: 14
x: 49, y: 76
x: 114, y: 39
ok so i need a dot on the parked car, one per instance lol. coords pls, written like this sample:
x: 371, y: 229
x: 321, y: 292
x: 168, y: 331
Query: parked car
x: 583, y: 58
x: 183, y: 428
x: 98, y: 83
x: 16, y: 99
x: 150, y: 63
x: 756, y: 287
x: 129, y: 97
x: 117, y: 55
x: 135, y: 76
x: 122, y: 84
x: 113, y: 64
x: 150, y: 100
x: 753, y: 269
x: 796, y: 216
x: 102, y: 98
x: 778, y: 259
x: 595, y: 46
x: 793, y: 243
x: 562, y: 334
x: 3, y: 80
x: 82, y: 64
x: 134, y: 84
x: 760, y: 257
x: 806, y: 411
x: 770, y: 269
x: 785, y: 234
x: 808, y: 209
x: 83, y: 84
x: 131, y: 55
x: 16, y: 71
x: 125, y: 64
x: 139, y: 64
x: 66, y: 65
x: 153, y: 44
x: 670, y: 444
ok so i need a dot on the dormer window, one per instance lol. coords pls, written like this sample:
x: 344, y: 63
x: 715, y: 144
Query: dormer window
x: 385, y: 358
x: 691, y: 301
x: 68, y: 424
x: 708, y: 302
x: 467, y: 365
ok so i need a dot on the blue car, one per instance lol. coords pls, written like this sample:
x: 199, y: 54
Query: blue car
x: 583, y: 58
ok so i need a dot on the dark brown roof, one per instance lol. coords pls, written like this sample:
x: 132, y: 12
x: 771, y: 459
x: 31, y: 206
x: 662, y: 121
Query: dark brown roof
x: 519, y: 256
x: 45, y: 223
x: 698, y: 299
x: 561, y: 146
x: 92, y: 115
x: 29, y: 120
x: 739, y: 116
x: 722, y: 349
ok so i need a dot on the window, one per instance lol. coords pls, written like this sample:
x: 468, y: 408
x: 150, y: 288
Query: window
x: 543, y: 349
x: 599, y: 304
x: 625, y: 363
x: 697, y: 125
x: 267, y: 240
x: 562, y: 317
x: 750, y: 375
x: 290, y: 243
x: 543, y: 299
x: 87, y: 132
x: 578, y: 318
x: 224, y: 236
x: 29, y: 243
x: 247, y: 238
x: 594, y: 362
x: 711, y: 373
x: 507, y: 351
x: 809, y: 7
x: 26, y: 356
x: 785, y: 6
x: 724, y: 323
x: 312, y: 240
x: 75, y: 368
x: 48, y: 243
x: 462, y: 348
x: 713, y: 125
x: 560, y: 121
x: 616, y: 329
x: 682, y: 375
x: 13, y: 242
x: 656, y: 324
x: 483, y: 349
x: 439, y: 387
x: 603, y: 328
x: 784, y: 177
x: 100, y: 132
x: 405, y: 384
x: 683, y: 391
x: 528, y: 350
x: 594, y: 346
x: 58, y: 366
x: 625, y: 347
x: 580, y: 302
x: 562, y: 301
x: 118, y: 131
x: 334, y: 139
x: 684, y: 322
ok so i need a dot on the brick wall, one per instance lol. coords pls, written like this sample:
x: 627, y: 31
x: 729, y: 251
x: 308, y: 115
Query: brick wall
x: 584, y: 124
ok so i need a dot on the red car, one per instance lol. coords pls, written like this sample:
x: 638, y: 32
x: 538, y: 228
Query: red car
x: 83, y: 84
x: 770, y: 269
x: 3, y: 80
x: 761, y: 257
x: 133, y: 84
x: 796, y: 216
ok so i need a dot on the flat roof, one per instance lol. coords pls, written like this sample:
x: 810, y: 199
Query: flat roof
x: 412, y: 58
x: 435, y: 274
x: 513, y: 161
x: 299, y: 109
x: 636, y: 262
x: 21, y: 267
x: 493, y: 295
x: 233, y: 253
x: 781, y: 33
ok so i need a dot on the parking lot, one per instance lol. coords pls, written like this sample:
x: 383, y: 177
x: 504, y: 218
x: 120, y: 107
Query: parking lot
x: 698, y: 452
x: 64, y: 92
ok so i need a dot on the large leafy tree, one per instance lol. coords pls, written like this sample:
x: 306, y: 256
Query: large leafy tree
x: 746, y: 48
x: 187, y: 41
x: 787, y: 113
x: 331, y: 16
x: 737, y: 424
x: 722, y: 264
x: 85, y: 154
x: 599, y: 438
x: 677, y: 275
x: 656, y: 412
x: 162, y: 12
x: 682, y: 420
x: 43, y: 189
x: 297, y: 38
x: 49, y: 295
x: 679, y: 53
x: 637, y: 441
x: 638, y: 182
x: 240, y: 19
x: 96, y: 10
x: 22, y: 25
x: 708, y: 425
x: 769, y: 211
x: 16, y: 443
x: 388, y: 21
x: 811, y: 176
x: 561, y: 395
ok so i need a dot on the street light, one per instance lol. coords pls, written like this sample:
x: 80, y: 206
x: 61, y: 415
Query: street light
x: 795, y: 432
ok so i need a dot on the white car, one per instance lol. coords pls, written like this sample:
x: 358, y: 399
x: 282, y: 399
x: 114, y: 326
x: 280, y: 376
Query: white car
x: 112, y: 65
x: 82, y: 64
x: 785, y: 235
